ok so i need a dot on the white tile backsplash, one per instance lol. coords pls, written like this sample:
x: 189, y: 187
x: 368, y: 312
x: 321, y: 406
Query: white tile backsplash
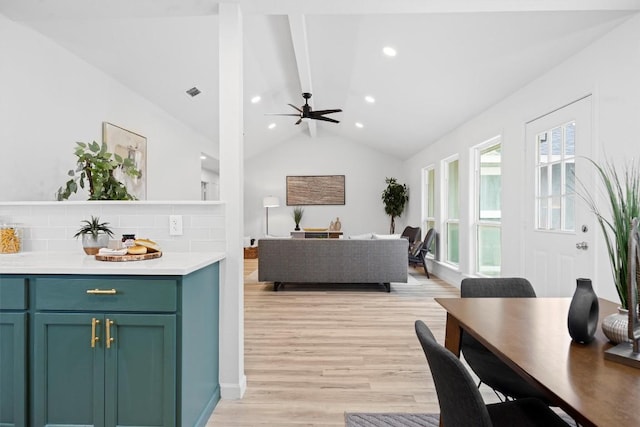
x: 50, y: 226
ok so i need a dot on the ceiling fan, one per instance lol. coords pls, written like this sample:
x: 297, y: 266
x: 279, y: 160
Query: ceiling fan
x: 305, y: 112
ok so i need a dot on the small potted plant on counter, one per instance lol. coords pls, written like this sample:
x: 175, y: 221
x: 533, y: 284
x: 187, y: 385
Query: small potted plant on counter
x: 95, y: 235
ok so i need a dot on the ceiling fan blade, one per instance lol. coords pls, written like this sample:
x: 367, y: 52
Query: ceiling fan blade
x: 320, y: 112
x: 325, y: 119
x: 279, y: 114
x: 293, y: 106
x: 299, y: 121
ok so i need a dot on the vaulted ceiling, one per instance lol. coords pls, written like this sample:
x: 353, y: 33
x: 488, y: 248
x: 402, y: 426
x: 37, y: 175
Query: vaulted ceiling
x: 454, y: 58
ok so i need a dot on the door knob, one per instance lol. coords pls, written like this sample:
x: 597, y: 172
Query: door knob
x: 582, y: 245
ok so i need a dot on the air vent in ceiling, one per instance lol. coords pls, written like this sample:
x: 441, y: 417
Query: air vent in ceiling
x: 193, y: 91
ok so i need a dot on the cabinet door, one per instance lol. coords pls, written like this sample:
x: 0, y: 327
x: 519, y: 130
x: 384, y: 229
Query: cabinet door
x: 140, y: 370
x: 13, y: 348
x: 68, y: 371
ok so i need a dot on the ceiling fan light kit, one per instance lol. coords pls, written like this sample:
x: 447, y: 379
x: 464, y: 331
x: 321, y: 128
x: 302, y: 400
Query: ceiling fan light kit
x: 305, y: 112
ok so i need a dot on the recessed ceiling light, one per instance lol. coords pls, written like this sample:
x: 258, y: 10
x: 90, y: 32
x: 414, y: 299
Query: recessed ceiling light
x: 271, y: 126
x: 359, y: 125
x: 193, y: 91
x: 255, y: 99
x: 389, y: 51
x: 203, y: 157
x: 370, y: 99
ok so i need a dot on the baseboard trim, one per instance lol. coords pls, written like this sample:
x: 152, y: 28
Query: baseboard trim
x: 208, y: 410
x: 233, y: 391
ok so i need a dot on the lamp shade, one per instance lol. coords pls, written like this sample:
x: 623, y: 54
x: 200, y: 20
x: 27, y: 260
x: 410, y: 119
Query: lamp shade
x: 270, y: 202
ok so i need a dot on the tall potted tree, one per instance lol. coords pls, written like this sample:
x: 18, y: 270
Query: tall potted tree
x: 395, y: 198
x: 622, y: 190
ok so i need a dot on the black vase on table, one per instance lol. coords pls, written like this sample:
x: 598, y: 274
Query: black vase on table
x: 583, y: 312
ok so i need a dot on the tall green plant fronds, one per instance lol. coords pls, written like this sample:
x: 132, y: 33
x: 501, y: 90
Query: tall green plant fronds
x: 622, y: 192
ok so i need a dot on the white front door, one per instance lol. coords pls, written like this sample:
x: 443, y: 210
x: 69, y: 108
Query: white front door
x: 560, y: 229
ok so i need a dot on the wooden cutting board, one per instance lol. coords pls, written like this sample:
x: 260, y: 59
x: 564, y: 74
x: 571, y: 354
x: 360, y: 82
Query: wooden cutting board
x: 122, y: 258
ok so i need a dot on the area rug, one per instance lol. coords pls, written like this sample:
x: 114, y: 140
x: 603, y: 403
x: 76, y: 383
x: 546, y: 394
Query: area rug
x: 405, y: 420
x: 391, y: 420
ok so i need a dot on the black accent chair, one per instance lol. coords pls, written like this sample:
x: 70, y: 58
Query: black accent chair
x: 487, y: 366
x: 460, y: 401
x: 412, y: 234
x: 418, y: 255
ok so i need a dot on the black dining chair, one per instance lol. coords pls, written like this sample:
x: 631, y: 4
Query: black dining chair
x: 489, y: 369
x: 460, y: 401
x: 418, y: 255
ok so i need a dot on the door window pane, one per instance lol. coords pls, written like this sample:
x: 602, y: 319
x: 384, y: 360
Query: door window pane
x: 570, y: 138
x: 544, y: 181
x: 556, y: 142
x: 555, y: 180
x: 570, y: 177
x: 543, y: 148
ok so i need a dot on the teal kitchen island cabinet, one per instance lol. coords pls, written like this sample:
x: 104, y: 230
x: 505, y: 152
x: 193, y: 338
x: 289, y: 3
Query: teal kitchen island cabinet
x: 13, y: 352
x: 122, y: 349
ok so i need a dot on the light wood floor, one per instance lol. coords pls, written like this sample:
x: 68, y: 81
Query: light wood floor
x: 313, y: 353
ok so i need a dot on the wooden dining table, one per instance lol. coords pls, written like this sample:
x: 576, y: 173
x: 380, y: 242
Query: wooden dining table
x: 531, y: 336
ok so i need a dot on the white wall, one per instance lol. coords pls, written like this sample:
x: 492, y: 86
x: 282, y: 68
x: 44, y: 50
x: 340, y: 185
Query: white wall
x: 365, y: 171
x: 51, y: 99
x: 609, y: 69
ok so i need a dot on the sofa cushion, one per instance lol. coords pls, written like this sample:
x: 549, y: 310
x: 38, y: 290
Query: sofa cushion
x: 385, y: 236
x: 365, y: 236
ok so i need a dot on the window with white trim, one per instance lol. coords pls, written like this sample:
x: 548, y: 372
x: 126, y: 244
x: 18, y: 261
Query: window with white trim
x: 488, y: 211
x: 555, y: 178
x: 451, y: 211
x: 428, y: 202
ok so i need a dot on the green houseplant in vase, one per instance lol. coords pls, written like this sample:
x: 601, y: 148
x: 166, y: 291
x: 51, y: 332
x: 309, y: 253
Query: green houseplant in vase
x: 95, y: 235
x: 394, y: 197
x: 622, y: 191
x: 297, y: 216
x: 95, y: 169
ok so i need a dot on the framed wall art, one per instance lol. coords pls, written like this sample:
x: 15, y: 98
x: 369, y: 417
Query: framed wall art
x: 128, y: 145
x: 315, y: 190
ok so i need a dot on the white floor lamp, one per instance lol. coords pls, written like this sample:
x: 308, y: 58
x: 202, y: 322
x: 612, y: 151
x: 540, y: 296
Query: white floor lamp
x: 270, y: 202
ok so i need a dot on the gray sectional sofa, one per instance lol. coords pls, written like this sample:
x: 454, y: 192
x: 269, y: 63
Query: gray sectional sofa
x: 332, y: 261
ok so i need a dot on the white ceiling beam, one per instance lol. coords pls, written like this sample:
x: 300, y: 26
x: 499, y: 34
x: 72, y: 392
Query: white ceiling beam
x: 298, y: 29
x: 26, y: 10
x: 363, y: 7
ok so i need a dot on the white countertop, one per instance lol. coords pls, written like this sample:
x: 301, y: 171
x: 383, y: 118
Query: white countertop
x: 170, y: 264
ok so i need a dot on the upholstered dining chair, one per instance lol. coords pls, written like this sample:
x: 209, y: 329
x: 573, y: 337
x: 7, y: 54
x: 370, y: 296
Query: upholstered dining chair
x: 460, y: 401
x: 487, y: 366
x: 418, y: 256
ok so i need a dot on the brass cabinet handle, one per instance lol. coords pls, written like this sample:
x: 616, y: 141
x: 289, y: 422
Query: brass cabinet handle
x: 109, y: 337
x: 94, y: 322
x: 101, y: 291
